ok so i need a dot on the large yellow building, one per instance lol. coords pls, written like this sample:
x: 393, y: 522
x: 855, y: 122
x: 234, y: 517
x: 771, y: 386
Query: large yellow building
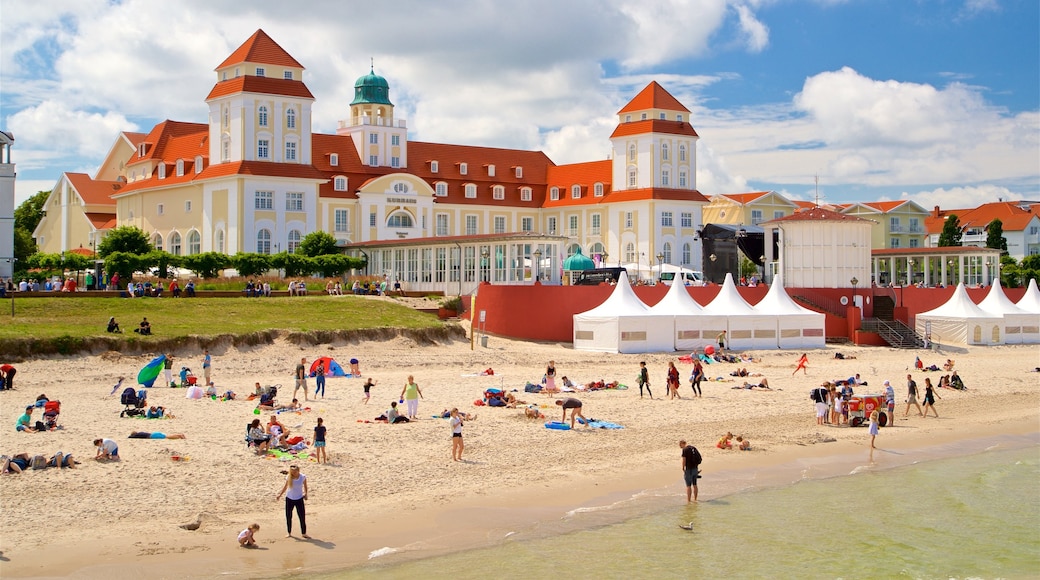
x: 255, y: 178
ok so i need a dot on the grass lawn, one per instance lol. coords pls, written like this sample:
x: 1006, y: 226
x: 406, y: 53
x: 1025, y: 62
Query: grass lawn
x: 45, y: 318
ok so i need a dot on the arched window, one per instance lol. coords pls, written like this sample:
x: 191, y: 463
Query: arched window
x: 575, y: 192
x: 630, y: 252
x: 294, y: 240
x: 631, y: 152
x: 180, y: 167
x: 667, y: 253
x: 290, y: 119
x: 194, y: 243
x: 664, y: 152
x: 525, y: 194
x: 198, y: 164
x: 175, y: 244
x: 598, y: 190
x: 498, y: 192
x: 686, y: 255
x: 471, y: 190
x: 399, y: 220
x: 682, y: 153
x: 441, y: 189
x: 572, y: 249
x: 263, y: 241
x: 596, y: 249
x: 261, y: 116
x: 220, y: 242
x: 554, y: 193
x: 157, y: 241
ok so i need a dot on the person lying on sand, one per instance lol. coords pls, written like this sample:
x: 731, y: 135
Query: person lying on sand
x: 763, y: 385
x: 156, y: 435
x: 532, y: 412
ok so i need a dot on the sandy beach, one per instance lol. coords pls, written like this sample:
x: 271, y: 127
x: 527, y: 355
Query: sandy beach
x: 393, y: 486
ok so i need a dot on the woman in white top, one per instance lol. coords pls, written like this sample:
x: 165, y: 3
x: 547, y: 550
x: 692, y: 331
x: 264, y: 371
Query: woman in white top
x: 456, y: 435
x: 295, y: 490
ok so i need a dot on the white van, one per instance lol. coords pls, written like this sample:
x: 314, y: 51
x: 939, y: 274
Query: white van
x: 691, y: 278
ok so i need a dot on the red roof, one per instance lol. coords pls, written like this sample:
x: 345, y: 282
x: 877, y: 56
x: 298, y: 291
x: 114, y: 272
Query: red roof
x: 653, y: 97
x: 745, y: 198
x: 818, y: 214
x: 1011, y: 215
x: 82, y: 251
x: 262, y: 169
x: 160, y: 136
x: 101, y: 220
x: 910, y: 252
x: 883, y: 206
x: 654, y: 126
x: 94, y: 192
x: 261, y: 49
x: 261, y: 85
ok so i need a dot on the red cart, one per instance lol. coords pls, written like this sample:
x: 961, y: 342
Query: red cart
x: 861, y: 406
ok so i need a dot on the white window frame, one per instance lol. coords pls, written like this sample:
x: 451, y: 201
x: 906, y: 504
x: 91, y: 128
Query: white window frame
x: 395, y: 161
x: 263, y: 241
x: 395, y: 140
x: 628, y: 220
x: 664, y: 151
x: 160, y: 209
x: 260, y: 72
x: 290, y: 118
x: 294, y: 201
x: 756, y: 217
x: 341, y: 220
x: 263, y: 149
x: 525, y: 194
x: 373, y: 160
x: 554, y: 193
x: 550, y: 225
x: 198, y: 164
x: 440, y: 189
x: 575, y: 192
x: 471, y: 191
x: 573, y: 226
x: 334, y: 159
x: 180, y: 168
x: 162, y: 171
x: 263, y: 200
x: 472, y: 225
x: 667, y: 219
x: 500, y: 224
x: 290, y: 150
x: 686, y: 219
x: 519, y: 172
x: 261, y: 116
x: 434, y: 166
x: 442, y: 226
x: 596, y: 224
x: 463, y: 168
x: 287, y: 75
x: 194, y: 243
x: 187, y: 206
x: 597, y: 190
x: 527, y: 224
x: 498, y: 192
x: 373, y: 138
x: 666, y: 178
x: 491, y: 170
x: 339, y: 183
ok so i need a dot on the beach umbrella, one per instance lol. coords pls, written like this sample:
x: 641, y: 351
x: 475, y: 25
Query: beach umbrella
x: 151, y: 371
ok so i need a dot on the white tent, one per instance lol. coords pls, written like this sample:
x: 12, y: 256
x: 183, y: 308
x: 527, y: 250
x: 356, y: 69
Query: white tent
x: 640, y: 271
x: 692, y: 329
x: 622, y: 324
x: 746, y: 327
x: 1019, y: 326
x: 1030, y: 301
x: 961, y: 321
x: 797, y: 326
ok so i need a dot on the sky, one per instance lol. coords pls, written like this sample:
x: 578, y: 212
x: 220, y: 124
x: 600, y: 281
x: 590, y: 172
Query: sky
x: 937, y: 101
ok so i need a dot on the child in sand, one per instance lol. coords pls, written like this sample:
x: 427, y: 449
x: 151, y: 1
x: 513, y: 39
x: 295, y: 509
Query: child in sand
x: 369, y: 383
x: 247, y: 537
x: 725, y: 442
x: 319, y: 442
x: 743, y: 444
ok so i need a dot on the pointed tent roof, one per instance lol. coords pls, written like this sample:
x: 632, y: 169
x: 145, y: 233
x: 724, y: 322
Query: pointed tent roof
x: 677, y: 302
x: 959, y: 306
x: 1030, y: 301
x: 621, y: 302
x: 261, y: 49
x: 778, y: 301
x: 653, y: 97
x: 998, y: 303
x: 729, y: 302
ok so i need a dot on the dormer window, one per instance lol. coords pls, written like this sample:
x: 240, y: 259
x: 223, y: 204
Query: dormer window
x: 180, y: 168
x: 491, y: 170
x: 554, y: 194
x: 642, y: 117
x: 575, y: 192
x: 471, y: 190
x: 223, y: 76
x: 525, y: 194
x: 236, y: 72
x: 679, y: 117
x: 260, y: 71
x: 162, y: 171
x: 198, y: 164
x: 598, y: 190
x: 519, y: 172
x: 141, y: 149
x: 463, y: 168
x: 434, y: 167
x: 498, y: 192
x: 662, y: 116
x: 340, y: 183
x: 287, y: 75
x: 628, y: 118
x: 441, y: 190
x: 334, y: 159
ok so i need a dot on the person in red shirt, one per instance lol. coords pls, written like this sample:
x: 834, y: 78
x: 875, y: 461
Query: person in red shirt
x: 8, y: 373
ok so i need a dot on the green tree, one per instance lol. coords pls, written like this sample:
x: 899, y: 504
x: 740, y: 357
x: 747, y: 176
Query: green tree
x: 995, y: 236
x: 125, y: 264
x: 318, y: 244
x: 293, y: 264
x: 1031, y: 262
x: 249, y: 264
x: 207, y: 264
x: 161, y: 260
x: 29, y: 213
x: 24, y: 244
x: 127, y: 239
x: 951, y: 232
x: 335, y: 264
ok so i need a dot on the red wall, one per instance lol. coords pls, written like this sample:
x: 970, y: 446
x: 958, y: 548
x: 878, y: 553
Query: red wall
x: 546, y: 313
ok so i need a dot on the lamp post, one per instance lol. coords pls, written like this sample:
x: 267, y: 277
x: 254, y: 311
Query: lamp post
x: 762, y: 259
x: 713, y: 257
x: 854, y: 281
x: 484, y: 255
x: 14, y: 262
x: 909, y: 271
x: 949, y: 272
x: 537, y: 263
x: 660, y: 266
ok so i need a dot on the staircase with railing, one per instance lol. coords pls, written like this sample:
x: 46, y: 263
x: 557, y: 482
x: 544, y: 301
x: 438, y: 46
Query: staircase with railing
x: 819, y: 302
x: 894, y: 332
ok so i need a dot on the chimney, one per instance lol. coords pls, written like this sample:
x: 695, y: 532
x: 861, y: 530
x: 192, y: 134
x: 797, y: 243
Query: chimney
x: 935, y: 212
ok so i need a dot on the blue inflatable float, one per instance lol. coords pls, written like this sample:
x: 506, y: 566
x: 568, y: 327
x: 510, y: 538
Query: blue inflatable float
x: 558, y: 425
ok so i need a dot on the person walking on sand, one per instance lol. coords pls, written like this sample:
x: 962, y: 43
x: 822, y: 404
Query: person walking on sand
x: 320, y: 455
x: 873, y: 427
x: 696, y: 376
x: 803, y: 361
x: 207, y: 365
x: 369, y: 383
x: 691, y: 462
x: 673, y: 381
x: 721, y: 339
x: 411, y: 395
x: 575, y: 406
x: 295, y: 490
x: 456, y: 435
x: 301, y: 379
x: 911, y: 396
x: 644, y: 380
x: 929, y: 398
x: 168, y: 370
x: 550, y: 378
x: 319, y: 380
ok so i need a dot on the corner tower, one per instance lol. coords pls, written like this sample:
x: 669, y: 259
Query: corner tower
x: 654, y: 144
x: 380, y: 140
x: 260, y: 110
x: 7, y: 177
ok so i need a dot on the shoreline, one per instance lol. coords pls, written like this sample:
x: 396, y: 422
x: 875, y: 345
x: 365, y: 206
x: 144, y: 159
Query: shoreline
x: 392, y: 490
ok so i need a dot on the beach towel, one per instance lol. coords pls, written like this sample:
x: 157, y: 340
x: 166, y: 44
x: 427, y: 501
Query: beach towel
x: 597, y: 424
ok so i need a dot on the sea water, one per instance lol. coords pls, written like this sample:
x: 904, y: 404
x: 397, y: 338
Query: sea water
x: 976, y: 516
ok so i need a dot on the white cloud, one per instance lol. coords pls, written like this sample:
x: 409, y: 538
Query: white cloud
x: 61, y: 131
x: 756, y: 33
x: 960, y: 197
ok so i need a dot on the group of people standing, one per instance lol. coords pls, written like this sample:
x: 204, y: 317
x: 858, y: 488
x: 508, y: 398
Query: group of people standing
x: 671, y: 379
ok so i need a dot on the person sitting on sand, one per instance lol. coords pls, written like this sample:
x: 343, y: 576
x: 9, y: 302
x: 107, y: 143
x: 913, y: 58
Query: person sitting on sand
x: 157, y: 412
x: 259, y: 437
x: 948, y: 365
x: 567, y: 382
x: 743, y: 444
x: 394, y: 416
x: 107, y: 449
x: 532, y: 412
x: 113, y: 326
x: 14, y: 464
x: 276, y: 430
x: 956, y: 382
x: 510, y: 401
x: 726, y: 441
x: 156, y: 435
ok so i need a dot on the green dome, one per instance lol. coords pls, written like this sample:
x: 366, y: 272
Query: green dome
x: 371, y: 89
x: 578, y: 262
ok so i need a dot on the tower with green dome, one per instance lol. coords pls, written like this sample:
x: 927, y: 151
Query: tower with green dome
x: 380, y: 140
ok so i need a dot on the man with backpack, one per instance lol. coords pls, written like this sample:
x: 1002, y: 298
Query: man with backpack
x: 691, y: 462
x: 819, y: 396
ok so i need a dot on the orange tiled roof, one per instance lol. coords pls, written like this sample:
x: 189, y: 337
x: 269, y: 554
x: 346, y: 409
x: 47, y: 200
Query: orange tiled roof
x: 99, y: 220
x: 818, y: 214
x: 160, y: 135
x: 745, y: 198
x: 653, y: 97
x: 82, y: 251
x: 134, y: 138
x: 262, y: 85
x: 263, y: 169
x: 654, y: 126
x: 93, y: 192
x: 261, y: 49
x: 884, y: 206
x: 585, y: 175
x: 1012, y: 217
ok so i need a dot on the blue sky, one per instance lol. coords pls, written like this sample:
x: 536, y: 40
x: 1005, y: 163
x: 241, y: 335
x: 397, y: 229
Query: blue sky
x: 932, y: 100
